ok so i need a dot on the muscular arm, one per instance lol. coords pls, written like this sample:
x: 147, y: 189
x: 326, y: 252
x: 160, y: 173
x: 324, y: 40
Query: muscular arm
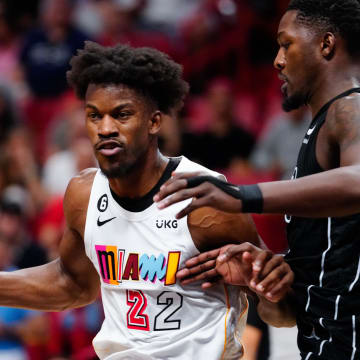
x: 331, y: 193
x: 67, y: 282
x: 211, y: 229
x: 334, y: 192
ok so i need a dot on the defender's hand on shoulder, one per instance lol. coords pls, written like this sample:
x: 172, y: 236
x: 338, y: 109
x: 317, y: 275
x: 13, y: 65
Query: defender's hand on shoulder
x: 177, y: 189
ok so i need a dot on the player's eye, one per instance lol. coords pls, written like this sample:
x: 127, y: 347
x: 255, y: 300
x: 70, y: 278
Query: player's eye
x: 286, y: 45
x: 93, y: 115
x: 121, y: 115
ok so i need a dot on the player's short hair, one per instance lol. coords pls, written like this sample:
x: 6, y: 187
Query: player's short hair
x: 338, y: 16
x: 146, y: 70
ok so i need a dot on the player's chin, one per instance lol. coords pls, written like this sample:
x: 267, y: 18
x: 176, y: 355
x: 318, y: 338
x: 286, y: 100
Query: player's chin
x: 113, y: 169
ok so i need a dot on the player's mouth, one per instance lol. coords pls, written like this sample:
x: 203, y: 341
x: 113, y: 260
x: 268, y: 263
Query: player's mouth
x: 285, y: 84
x: 109, y: 147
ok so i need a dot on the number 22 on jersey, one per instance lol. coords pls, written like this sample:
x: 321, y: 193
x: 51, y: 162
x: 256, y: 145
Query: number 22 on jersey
x: 169, y: 304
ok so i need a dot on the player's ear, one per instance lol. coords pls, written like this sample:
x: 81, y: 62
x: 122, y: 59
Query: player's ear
x: 328, y: 45
x: 155, y: 122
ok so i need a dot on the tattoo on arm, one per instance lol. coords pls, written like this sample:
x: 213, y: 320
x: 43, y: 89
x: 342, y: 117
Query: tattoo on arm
x: 345, y: 123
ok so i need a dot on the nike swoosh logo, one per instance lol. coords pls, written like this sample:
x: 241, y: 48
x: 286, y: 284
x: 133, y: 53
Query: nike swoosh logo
x: 310, y: 131
x: 101, y: 223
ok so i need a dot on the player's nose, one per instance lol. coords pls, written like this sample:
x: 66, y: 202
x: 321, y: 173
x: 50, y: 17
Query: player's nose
x: 279, y: 62
x: 107, y: 127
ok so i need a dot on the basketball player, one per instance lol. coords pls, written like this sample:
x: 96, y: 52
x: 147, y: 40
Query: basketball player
x: 318, y: 61
x: 117, y: 239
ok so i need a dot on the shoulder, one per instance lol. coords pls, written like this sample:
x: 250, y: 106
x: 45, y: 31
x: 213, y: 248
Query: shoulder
x: 343, y: 115
x: 77, y: 198
x: 187, y: 165
x: 211, y: 228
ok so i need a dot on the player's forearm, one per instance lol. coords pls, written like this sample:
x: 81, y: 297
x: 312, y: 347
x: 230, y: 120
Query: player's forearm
x: 280, y: 314
x: 331, y: 193
x: 44, y: 287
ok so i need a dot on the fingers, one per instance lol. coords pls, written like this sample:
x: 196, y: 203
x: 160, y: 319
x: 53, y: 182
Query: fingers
x: 195, y: 204
x: 201, y: 267
x: 235, y: 250
x: 175, y: 183
x: 278, y: 292
x: 193, y: 275
x: 197, y: 193
x: 262, y: 260
x: 176, y: 189
x: 277, y: 282
x: 202, y: 258
x: 212, y: 283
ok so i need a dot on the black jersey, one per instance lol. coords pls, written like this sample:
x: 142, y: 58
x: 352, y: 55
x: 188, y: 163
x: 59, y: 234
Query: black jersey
x: 325, y: 257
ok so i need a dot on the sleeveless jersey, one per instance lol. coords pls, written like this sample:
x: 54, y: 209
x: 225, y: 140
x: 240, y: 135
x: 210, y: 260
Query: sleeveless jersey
x: 148, y: 314
x: 325, y: 257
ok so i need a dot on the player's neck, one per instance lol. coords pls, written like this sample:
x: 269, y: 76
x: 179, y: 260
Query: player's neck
x: 332, y: 84
x: 143, y: 178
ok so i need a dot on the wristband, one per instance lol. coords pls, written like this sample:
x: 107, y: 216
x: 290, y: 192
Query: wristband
x: 250, y: 195
x: 252, y: 199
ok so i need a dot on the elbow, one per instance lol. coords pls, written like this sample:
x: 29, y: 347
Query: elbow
x: 351, y: 188
x: 281, y: 323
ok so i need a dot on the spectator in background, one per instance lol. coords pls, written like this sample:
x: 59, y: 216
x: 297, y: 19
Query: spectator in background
x: 19, y: 328
x: 87, y: 16
x: 224, y: 141
x: 13, y: 228
x: 9, y: 53
x: 170, y: 136
x: 168, y: 15
x: 45, y: 57
x: 47, y: 49
x: 18, y: 167
x: 277, y: 150
x: 74, y: 151
x: 8, y: 116
x: 214, y: 40
x: 122, y: 24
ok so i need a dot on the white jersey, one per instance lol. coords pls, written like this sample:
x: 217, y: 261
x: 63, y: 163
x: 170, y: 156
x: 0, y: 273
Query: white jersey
x: 148, y: 314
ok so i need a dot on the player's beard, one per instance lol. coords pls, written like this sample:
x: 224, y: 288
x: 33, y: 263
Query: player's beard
x: 125, y: 167
x: 294, y: 101
x: 117, y: 171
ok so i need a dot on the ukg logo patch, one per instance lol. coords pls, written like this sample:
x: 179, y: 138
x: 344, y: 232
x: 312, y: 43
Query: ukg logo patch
x: 166, y: 224
x: 114, y: 268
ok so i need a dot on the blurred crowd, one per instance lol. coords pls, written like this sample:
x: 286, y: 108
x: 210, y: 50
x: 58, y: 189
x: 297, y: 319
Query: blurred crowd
x: 231, y: 122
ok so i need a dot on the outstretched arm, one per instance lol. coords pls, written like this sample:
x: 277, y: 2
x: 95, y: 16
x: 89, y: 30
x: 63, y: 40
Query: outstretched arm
x: 67, y: 282
x: 334, y: 192
x: 330, y: 193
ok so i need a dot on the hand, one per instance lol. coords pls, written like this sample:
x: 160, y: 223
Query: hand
x: 205, y: 194
x: 230, y: 263
x: 264, y: 273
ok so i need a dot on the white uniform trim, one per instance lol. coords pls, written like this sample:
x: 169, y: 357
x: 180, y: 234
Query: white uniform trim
x: 324, y: 253
x: 356, y: 277
x: 308, y: 300
x: 337, y: 307
x: 354, y: 338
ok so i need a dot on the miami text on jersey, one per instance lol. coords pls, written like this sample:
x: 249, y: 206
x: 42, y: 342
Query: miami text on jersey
x: 114, y: 269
